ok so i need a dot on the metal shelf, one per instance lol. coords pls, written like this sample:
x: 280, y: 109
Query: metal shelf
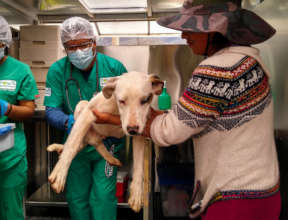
x: 44, y: 196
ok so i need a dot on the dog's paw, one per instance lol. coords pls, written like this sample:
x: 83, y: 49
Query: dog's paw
x: 57, y: 188
x: 135, y: 200
x: 58, y: 178
x: 55, y: 147
x: 114, y: 162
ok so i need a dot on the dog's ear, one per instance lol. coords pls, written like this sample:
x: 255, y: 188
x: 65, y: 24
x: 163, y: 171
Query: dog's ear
x: 157, y: 84
x: 109, y: 87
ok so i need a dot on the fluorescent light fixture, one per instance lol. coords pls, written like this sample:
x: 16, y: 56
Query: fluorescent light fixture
x: 157, y: 29
x: 166, y: 5
x: 123, y: 27
x: 97, y: 6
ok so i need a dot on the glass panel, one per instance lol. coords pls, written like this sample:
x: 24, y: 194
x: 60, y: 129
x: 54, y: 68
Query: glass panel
x: 131, y: 27
x: 166, y: 5
x: 46, y: 5
x: 157, y: 29
x: 114, y: 5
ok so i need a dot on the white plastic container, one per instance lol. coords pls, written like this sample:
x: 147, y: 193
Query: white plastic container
x: 6, y: 136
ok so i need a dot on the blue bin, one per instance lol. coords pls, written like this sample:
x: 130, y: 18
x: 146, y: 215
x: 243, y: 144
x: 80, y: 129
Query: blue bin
x: 6, y: 136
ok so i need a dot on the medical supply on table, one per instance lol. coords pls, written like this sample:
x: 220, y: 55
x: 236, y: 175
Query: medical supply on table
x: 164, y: 99
x: 6, y: 136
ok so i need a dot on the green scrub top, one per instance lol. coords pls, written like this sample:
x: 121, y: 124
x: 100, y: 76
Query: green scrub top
x: 60, y: 72
x: 16, y: 83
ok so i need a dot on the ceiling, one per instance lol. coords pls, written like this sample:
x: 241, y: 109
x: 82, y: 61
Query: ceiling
x: 120, y: 17
x: 44, y: 11
x: 110, y: 16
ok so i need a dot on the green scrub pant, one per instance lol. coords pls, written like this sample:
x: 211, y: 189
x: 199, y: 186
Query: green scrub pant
x: 12, y: 189
x: 89, y: 192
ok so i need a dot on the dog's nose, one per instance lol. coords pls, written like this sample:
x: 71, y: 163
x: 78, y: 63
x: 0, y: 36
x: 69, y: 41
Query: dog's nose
x: 133, y: 130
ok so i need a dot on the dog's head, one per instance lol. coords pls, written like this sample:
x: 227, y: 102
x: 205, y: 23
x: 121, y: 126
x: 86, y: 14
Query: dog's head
x: 134, y: 92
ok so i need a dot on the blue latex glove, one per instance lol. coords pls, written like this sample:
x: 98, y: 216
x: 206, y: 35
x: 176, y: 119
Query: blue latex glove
x: 70, y: 123
x: 56, y: 117
x: 3, y: 107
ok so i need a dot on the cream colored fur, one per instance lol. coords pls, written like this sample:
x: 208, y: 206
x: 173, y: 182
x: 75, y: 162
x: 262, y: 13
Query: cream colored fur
x: 129, y: 95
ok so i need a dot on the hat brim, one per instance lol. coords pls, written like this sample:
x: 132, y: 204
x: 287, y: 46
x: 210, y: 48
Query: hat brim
x: 240, y: 26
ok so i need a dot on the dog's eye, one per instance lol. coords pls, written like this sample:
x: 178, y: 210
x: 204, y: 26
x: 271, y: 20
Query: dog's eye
x: 122, y: 102
x: 146, y: 100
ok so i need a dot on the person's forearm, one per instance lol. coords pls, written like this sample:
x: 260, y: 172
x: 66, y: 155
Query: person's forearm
x: 24, y: 110
x: 56, y: 117
x: 167, y: 130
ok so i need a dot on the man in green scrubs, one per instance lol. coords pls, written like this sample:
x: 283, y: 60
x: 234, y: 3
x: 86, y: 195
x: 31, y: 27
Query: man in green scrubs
x: 17, y: 93
x: 91, y: 182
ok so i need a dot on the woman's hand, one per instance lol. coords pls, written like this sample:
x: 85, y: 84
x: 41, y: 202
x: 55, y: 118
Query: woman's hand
x: 153, y: 114
x: 106, y: 118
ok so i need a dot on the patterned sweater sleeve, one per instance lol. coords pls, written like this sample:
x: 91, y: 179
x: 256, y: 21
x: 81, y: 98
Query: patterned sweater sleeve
x: 195, y: 110
x: 216, y: 98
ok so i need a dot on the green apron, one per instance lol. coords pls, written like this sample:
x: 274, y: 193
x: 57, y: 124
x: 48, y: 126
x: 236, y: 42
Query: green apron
x: 16, y: 83
x: 90, y: 194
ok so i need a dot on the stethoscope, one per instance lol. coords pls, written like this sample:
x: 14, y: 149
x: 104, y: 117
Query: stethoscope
x: 108, y: 168
x: 77, y: 84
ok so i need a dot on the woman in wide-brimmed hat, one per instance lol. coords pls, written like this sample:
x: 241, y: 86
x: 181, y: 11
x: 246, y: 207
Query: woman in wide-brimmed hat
x: 227, y: 109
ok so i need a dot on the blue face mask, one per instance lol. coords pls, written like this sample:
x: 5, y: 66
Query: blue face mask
x: 2, y: 52
x: 81, y: 58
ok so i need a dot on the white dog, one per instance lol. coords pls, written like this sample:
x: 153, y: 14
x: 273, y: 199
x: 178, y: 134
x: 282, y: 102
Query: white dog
x: 129, y: 95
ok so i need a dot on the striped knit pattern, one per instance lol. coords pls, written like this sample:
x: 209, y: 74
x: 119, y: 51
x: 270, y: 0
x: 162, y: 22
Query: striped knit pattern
x: 223, y: 98
x: 245, y: 194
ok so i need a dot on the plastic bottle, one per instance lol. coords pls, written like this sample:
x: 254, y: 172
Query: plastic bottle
x: 164, y: 99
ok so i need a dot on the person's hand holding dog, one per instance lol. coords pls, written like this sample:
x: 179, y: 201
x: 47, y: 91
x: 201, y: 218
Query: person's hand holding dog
x: 153, y: 114
x: 107, y: 118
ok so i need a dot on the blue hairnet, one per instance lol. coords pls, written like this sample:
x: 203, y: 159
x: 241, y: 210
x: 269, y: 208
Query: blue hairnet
x: 76, y: 28
x: 5, y: 32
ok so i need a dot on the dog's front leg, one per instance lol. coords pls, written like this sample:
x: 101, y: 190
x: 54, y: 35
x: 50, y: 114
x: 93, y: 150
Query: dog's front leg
x: 59, y: 174
x: 72, y: 146
x: 136, y: 188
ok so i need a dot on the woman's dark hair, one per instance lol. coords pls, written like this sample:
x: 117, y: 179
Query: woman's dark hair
x: 219, y: 41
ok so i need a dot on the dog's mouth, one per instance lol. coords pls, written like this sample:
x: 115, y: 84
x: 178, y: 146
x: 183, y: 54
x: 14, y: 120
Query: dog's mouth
x: 133, y: 130
x: 133, y: 133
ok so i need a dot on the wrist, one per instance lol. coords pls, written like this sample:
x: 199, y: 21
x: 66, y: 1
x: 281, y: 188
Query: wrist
x: 66, y: 125
x: 9, y: 109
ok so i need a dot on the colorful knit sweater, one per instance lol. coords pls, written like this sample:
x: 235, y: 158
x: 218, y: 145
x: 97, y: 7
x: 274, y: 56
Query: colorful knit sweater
x: 227, y: 109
